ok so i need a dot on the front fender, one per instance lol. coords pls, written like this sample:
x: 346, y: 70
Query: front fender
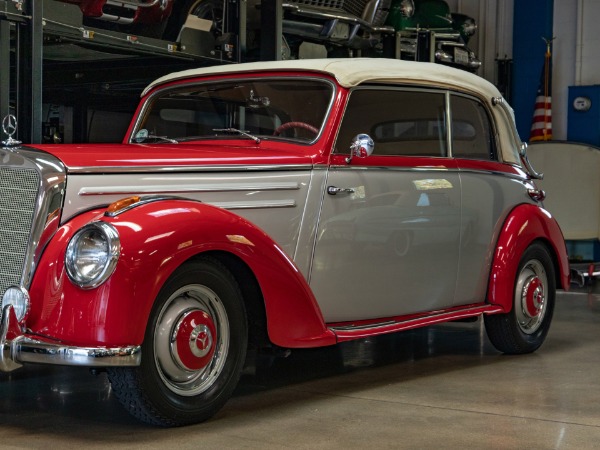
x: 156, y: 238
x: 525, y: 224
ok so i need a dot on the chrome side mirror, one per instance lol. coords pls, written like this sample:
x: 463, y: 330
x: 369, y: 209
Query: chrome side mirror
x: 361, y: 147
x: 527, y: 164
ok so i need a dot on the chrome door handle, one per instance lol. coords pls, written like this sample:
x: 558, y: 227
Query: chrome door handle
x: 334, y: 190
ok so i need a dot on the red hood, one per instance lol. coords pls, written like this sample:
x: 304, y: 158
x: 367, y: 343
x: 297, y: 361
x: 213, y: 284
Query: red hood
x: 239, y: 152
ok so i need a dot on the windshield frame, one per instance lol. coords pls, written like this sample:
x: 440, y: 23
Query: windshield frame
x: 187, y: 84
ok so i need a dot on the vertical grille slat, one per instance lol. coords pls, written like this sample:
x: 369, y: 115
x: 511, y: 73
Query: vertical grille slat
x: 18, y: 195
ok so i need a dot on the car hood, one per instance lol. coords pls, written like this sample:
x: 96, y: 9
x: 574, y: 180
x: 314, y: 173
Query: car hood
x: 94, y: 157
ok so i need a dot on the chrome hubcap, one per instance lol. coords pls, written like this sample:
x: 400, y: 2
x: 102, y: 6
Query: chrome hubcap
x: 191, y: 339
x: 530, y: 294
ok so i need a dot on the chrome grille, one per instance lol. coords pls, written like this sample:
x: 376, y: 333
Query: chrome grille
x: 353, y: 7
x: 18, y: 195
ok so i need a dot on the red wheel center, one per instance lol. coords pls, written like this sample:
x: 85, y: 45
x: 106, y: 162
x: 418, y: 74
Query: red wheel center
x: 534, y: 296
x: 195, y: 340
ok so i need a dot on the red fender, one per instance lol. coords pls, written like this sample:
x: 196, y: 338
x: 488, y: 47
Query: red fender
x: 156, y: 238
x: 525, y: 224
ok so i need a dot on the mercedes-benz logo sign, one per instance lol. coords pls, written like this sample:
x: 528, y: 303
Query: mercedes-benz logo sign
x: 9, y: 125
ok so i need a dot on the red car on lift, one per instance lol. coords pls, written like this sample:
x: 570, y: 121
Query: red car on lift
x: 153, y: 18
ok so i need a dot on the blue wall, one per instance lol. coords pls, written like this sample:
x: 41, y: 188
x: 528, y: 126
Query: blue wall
x: 532, y: 21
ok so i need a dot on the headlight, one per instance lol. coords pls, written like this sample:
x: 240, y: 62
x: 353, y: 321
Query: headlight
x: 92, y: 254
x: 18, y: 297
x: 469, y: 27
x: 407, y: 8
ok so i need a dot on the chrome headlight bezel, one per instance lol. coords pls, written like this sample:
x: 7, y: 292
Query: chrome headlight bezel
x: 92, y: 254
x: 469, y: 27
x: 407, y: 8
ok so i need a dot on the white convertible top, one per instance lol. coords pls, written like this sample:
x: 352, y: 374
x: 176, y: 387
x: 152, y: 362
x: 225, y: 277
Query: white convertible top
x: 352, y: 72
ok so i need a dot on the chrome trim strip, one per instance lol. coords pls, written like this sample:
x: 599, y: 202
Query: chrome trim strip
x: 523, y: 177
x: 497, y: 173
x: 255, y: 204
x: 188, y: 169
x: 172, y: 189
x: 27, y: 350
x: 396, y: 169
x: 436, y: 316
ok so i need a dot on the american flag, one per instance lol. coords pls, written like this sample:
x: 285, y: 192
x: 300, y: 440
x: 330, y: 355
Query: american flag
x: 541, y: 127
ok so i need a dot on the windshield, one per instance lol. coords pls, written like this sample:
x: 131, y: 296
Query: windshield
x: 280, y: 108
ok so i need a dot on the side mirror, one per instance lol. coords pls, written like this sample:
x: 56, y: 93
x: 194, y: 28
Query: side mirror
x: 361, y: 147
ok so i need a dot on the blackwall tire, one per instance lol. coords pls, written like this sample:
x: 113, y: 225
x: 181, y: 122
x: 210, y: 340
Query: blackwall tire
x: 193, y: 351
x: 524, y: 329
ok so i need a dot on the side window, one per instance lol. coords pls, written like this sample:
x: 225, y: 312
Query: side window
x: 400, y: 122
x: 472, y: 136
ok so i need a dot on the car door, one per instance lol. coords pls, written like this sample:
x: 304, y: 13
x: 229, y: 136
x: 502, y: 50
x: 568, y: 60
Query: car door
x: 390, y: 226
x: 490, y: 189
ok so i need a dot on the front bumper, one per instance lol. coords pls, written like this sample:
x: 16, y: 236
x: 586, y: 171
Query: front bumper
x: 17, y: 348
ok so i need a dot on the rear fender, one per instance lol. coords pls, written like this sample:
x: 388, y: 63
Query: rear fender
x: 524, y: 225
x: 156, y: 238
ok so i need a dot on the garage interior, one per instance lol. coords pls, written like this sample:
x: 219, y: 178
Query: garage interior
x: 73, y: 80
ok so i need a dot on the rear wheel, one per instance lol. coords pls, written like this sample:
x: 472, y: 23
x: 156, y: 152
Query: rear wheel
x: 524, y: 329
x: 193, y: 350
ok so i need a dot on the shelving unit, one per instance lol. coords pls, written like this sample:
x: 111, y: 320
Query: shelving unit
x: 48, y: 55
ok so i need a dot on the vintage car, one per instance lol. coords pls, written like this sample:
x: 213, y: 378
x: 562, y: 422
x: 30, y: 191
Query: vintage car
x: 264, y: 206
x: 447, y: 32
x: 153, y: 18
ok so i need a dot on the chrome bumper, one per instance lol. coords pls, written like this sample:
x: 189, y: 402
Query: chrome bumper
x: 17, y: 348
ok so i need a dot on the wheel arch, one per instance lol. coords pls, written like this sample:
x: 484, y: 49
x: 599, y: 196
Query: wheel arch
x: 254, y: 302
x: 525, y: 225
x: 156, y: 239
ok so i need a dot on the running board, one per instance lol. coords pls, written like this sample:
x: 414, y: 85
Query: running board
x: 346, y: 331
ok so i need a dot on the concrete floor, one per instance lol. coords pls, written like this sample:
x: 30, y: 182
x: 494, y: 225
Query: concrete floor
x: 441, y: 387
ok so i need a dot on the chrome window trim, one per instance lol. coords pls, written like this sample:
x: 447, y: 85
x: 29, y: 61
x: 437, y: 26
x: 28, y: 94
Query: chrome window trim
x: 189, y: 169
x: 448, y: 92
x: 448, y: 118
x: 234, y: 79
x: 387, y: 87
x: 493, y: 126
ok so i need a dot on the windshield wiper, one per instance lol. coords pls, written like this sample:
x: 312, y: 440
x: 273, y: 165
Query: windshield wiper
x: 235, y: 130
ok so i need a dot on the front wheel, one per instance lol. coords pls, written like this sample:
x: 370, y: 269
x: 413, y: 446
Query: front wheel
x: 524, y: 329
x: 193, y: 351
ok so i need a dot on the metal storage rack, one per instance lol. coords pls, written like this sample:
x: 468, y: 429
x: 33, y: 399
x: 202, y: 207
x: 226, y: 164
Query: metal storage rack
x: 46, y: 51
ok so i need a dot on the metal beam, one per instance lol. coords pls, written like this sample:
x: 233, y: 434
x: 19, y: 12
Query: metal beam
x: 271, y: 30
x: 29, y: 104
x: 4, y: 67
